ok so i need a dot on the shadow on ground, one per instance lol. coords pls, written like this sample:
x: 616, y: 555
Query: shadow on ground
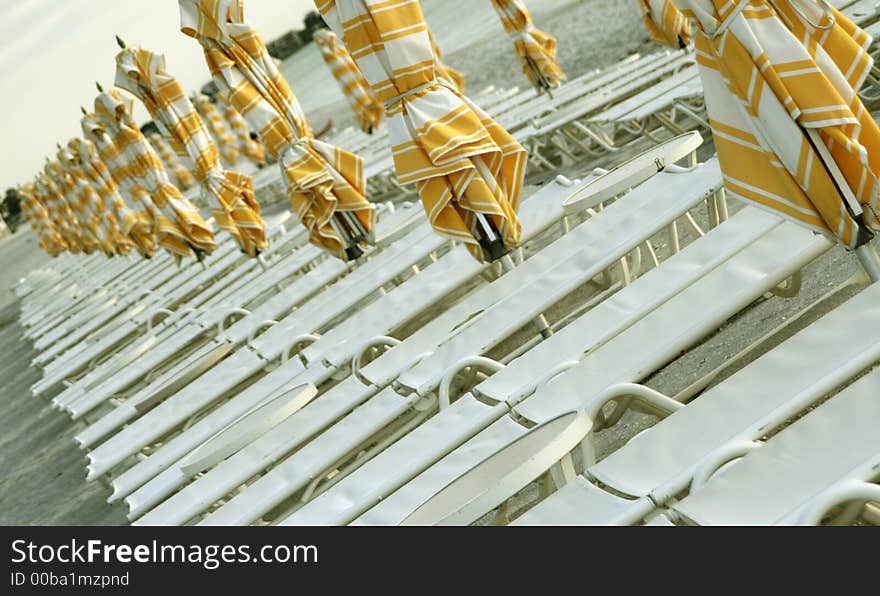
x: 42, y: 471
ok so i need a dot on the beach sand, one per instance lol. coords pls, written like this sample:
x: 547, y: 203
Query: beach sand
x: 43, y: 471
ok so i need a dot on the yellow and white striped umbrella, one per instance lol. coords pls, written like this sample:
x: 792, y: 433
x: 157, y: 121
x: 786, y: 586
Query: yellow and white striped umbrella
x: 535, y: 49
x: 443, y: 70
x: 123, y: 219
x: 182, y: 176
x: 325, y: 184
x: 665, y: 23
x: 84, y: 201
x: 60, y: 213
x: 780, y: 80
x: 229, y: 194
x: 179, y: 225
x: 222, y: 136
x: 49, y: 238
x: 367, y: 108
x: 138, y: 222
x: 250, y: 147
x: 467, y: 168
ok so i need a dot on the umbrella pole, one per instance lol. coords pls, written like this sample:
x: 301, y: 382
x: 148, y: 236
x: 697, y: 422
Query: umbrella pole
x: 869, y: 261
x: 352, y: 250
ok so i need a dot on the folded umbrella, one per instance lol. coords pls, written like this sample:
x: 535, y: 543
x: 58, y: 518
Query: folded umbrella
x: 325, y: 184
x: 182, y: 176
x: 443, y: 70
x: 138, y: 222
x: 781, y: 83
x: 179, y: 226
x: 535, y: 49
x: 35, y: 213
x: 468, y: 170
x: 665, y: 23
x: 83, y: 199
x: 123, y: 219
x: 60, y: 213
x: 249, y: 146
x: 230, y: 195
x: 366, y: 106
x: 224, y: 139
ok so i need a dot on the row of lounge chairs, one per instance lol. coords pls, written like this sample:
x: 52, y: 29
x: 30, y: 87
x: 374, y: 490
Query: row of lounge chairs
x: 419, y: 386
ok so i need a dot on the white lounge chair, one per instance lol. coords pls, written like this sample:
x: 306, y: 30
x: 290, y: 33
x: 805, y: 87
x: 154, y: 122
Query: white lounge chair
x: 133, y: 366
x: 199, y: 292
x: 694, y: 281
x: 828, y: 458
x: 332, y: 352
x: 549, y: 139
x: 352, y: 392
x: 661, y: 463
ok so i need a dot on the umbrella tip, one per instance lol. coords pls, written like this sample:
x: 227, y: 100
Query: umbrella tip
x: 120, y: 43
x: 98, y: 85
x: 57, y: 144
x: 83, y: 110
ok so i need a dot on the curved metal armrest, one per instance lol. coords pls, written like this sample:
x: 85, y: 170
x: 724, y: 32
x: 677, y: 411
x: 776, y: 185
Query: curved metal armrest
x: 260, y: 328
x: 479, y: 362
x: 152, y: 318
x: 221, y: 324
x: 380, y: 341
x: 845, y: 492
x: 623, y: 394
x: 720, y: 458
x: 300, y: 340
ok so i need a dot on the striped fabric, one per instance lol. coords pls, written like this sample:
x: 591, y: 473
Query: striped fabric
x: 535, y: 49
x: 179, y: 227
x: 49, y: 238
x: 229, y: 194
x: 325, y: 184
x: 226, y: 142
x: 140, y: 224
x: 182, y: 176
x: 462, y: 162
x: 60, y: 213
x: 123, y: 219
x: 87, y: 204
x: 791, y: 132
x: 251, y: 148
x: 443, y: 70
x: 363, y: 102
x: 665, y: 23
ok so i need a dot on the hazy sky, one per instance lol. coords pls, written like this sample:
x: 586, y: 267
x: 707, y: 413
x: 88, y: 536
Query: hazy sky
x: 53, y: 51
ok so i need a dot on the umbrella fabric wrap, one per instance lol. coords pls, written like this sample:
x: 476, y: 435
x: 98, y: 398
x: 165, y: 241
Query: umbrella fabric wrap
x: 535, y: 49
x: 367, y: 108
x: 665, y: 23
x: 85, y: 201
x: 462, y: 162
x: 60, y: 213
x: 230, y: 195
x: 182, y: 176
x: 781, y: 80
x: 225, y: 141
x: 179, y: 226
x: 251, y: 148
x: 444, y: 71
x: 50, y: 240
x: 96, y: 172
x: 138, y: 224
x: 325, y: 184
